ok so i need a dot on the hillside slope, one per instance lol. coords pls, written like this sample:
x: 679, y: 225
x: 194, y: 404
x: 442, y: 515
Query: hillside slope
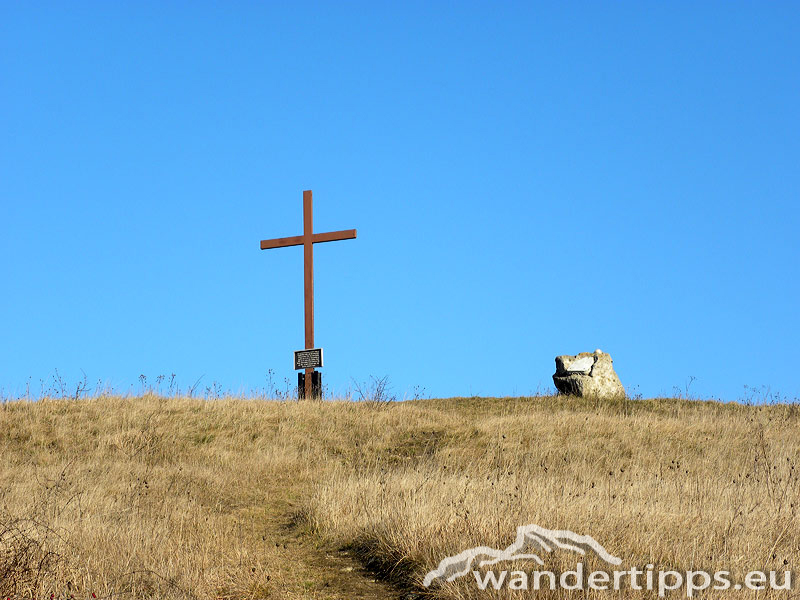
x: 180, y: 498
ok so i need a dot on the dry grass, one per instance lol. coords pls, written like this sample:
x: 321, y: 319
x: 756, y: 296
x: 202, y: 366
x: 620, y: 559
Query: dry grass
x: 154, y: 498
x: 678, y: 484
x: 180, y: 498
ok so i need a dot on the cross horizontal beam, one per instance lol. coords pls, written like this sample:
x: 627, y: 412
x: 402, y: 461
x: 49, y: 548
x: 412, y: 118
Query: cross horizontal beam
x: 317, y: 238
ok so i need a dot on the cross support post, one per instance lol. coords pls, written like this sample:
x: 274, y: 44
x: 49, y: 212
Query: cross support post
x: 308, y: 279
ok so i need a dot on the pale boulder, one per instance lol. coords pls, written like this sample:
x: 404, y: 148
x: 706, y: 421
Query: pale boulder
x: 588, y: 374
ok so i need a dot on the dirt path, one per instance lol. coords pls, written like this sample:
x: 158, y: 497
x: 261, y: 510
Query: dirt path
x: 307, y: 568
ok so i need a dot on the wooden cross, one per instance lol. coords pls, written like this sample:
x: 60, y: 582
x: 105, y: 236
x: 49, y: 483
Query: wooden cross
x: 307, y: 240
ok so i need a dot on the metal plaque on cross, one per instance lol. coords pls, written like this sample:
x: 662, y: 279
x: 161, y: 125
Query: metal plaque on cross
x: 308, y: 359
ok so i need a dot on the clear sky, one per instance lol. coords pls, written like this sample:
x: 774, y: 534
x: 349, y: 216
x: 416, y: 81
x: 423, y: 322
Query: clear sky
x: 527, y: 180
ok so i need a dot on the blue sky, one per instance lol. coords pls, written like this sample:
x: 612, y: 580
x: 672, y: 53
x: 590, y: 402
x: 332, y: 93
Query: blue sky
x: 527, y: 180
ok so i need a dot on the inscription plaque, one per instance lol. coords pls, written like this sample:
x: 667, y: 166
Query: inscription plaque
x: 308, y: 359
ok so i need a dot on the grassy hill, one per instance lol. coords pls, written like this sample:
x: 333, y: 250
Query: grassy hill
x: 156, y: 497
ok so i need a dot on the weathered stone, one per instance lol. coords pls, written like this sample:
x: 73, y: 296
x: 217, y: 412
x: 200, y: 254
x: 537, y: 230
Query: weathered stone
x: 588, y: 374
x: 581, y: 365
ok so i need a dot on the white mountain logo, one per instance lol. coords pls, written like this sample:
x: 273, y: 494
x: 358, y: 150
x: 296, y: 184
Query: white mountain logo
x: 530, y: 539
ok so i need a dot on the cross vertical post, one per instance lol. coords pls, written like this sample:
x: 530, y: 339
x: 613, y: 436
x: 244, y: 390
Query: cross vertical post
x: 307, y: 240
x: 308, y: 276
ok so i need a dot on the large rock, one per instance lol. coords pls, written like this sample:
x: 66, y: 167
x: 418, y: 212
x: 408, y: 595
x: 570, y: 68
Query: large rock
x: 588, y: 374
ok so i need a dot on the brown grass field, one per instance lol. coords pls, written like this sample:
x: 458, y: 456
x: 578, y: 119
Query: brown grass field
x: 154, y: 497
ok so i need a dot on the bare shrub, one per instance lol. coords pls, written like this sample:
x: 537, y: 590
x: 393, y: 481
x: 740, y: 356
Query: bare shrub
x: 25, y: 554
x: 375, y: 393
